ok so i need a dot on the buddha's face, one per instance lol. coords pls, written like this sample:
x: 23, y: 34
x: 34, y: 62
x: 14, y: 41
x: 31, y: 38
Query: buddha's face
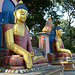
x: 60, y: 32
x: 21, y: 15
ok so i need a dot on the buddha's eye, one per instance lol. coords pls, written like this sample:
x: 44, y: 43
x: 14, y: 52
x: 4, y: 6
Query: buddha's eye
x: 22, y: 13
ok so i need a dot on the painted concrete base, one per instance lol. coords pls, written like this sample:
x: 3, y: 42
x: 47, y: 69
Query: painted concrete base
x: 67, y: 64
x: 37, y: 69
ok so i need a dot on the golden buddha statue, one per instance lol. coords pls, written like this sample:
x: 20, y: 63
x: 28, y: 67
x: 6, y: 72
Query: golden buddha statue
x: 14, y: 36
x: 17, y: 36
x: 58, y: 41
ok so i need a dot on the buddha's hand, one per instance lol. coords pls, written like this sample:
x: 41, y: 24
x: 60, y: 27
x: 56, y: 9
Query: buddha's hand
x: 28, y: 60
x: 32, y: 54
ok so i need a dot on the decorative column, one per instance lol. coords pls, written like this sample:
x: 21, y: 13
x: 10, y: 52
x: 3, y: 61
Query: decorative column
x: 44, y: 41
x: 44, y: 36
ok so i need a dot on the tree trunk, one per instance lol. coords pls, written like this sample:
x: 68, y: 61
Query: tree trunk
x: 70, y: 34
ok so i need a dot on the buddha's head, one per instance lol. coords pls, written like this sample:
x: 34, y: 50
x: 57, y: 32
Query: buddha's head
x: 20, y: 12
x: 59, y: 31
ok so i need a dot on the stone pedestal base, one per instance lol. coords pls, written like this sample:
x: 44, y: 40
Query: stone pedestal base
x: 38, y: 69
x: 60, y: 54
x: 14, y: 67
x: 12, y: 62
x: 1, y: 59
x: 66, y: 64
x: 62, y: 58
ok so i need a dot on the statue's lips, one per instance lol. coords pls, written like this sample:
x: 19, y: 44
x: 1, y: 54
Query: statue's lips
x: 23, y: 18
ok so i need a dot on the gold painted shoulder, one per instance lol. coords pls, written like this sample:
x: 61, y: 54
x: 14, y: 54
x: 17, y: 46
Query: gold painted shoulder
x: 18, y: 30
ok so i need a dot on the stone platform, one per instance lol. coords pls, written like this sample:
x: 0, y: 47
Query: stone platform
x: 68, y: 65
x: 38, y: 69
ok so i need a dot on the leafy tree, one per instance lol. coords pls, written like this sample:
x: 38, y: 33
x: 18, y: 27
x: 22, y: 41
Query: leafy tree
x: 37, y: 10
x: 69, y: 8
x: 66, y: 36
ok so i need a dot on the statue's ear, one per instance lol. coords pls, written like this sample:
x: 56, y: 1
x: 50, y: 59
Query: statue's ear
x: 15, y: 16
x: 56, y: 32
x: 14, y: 13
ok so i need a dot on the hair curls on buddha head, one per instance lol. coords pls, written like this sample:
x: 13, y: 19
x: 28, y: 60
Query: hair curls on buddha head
x: 59, y: 31
x: 20, y: 5
x: 58, y: 27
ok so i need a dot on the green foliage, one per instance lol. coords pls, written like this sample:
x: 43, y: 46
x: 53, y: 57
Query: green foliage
x: 35, y: 41
x: 70, y: 2
x: 70, y: 47
x: 69, y: 8
x: 66, y: 36
x: 37, y: 10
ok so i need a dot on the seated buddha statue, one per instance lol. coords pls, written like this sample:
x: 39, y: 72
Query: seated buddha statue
x: 58, y: 41
x: 17, y: 37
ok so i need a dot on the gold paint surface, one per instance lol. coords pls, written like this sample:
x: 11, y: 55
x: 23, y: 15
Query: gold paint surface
x: 17, y: 49
x: 60, y: 43
x: 19, y: 29
x: 36, y: 57
x: 16, y: 55
x: 21, y: 15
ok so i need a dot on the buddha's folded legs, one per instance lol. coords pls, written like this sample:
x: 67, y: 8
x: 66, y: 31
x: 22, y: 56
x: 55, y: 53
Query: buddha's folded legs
x: 67, y: 51
x: 27, y: 57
